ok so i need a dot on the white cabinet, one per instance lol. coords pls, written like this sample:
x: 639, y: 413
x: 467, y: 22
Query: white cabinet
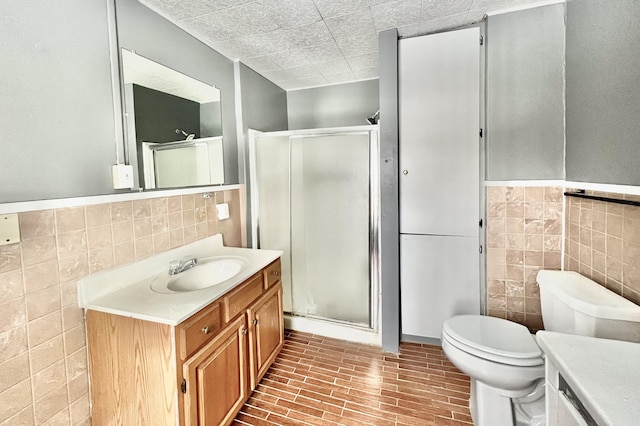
x: 561, y: 402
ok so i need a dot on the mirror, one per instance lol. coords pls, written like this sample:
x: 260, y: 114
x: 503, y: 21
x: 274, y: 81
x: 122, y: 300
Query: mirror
x: 173, y: 126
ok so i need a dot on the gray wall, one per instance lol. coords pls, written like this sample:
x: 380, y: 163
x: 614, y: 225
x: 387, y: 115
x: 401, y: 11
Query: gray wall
x: 210, y: 119
x: 153, y: 37
x: 339, y: 105
x: 56, y: 109
x: 389, y: 221
x: 525, y: 96
x: 603, y: 91
x: 264, y: 108
x: 264, y: 104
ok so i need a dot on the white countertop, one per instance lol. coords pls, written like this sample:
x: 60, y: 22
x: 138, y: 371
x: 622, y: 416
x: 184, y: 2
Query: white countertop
x: 126, y: 290
x: 604, y: 374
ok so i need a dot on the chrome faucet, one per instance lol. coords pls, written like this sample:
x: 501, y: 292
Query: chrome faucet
x: 177, y: 266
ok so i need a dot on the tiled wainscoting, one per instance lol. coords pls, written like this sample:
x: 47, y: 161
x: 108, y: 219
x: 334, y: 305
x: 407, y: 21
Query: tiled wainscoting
x: 43, y: 359
x: 603, y: 242
x: 321, y: 381
x: 523, y: 235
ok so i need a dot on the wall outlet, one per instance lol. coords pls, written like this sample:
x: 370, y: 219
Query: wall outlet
x: 122, y: 176
x: 9, y: 229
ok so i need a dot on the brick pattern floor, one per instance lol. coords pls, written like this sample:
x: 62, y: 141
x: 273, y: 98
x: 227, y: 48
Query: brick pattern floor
x: 321, y: 381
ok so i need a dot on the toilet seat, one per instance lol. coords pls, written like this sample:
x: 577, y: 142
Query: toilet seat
x: 493, y: 339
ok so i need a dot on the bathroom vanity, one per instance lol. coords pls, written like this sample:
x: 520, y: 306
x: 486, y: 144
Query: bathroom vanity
x: 184, y: 357
x: 590, y: 381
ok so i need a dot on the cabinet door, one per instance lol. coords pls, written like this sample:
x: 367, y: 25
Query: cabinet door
x: 439, y: 125
x: 439, y: 280
x: 266, y: 332
x: 217, y: 378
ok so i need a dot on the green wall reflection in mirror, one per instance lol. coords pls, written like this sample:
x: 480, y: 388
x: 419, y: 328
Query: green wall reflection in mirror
x: 173, y: 126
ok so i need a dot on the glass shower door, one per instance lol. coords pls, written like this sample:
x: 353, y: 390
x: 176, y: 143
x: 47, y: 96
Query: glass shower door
x: 330, y: 251
x: 314, y: 203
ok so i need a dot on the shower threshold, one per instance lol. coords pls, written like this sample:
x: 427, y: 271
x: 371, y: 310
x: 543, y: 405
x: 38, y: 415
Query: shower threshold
x: 341, y: 330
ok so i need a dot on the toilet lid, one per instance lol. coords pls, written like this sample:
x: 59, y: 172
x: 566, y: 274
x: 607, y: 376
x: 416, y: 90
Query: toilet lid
x: 494, y: 339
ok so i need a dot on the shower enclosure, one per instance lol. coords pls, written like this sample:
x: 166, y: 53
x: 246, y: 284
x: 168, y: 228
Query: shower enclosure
x: 314, y: 195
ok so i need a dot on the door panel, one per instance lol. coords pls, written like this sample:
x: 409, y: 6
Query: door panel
x: 439, y: 123
x: 439, y: 280
x: 266, y: 331
x: 274, y: 203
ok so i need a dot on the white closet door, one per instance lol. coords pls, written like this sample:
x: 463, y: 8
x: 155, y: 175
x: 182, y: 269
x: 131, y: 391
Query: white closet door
x: 439, y: 107
x: 439, y: 124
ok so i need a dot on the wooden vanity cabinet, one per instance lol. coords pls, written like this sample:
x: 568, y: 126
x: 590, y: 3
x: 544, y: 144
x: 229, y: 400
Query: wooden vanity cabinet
x: 199, y: 372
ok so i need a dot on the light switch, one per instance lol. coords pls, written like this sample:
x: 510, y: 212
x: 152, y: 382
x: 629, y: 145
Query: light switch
x: 9, y: 229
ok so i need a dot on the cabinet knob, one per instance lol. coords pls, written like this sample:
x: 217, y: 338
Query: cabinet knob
x: 405, y: 172
x: 254, y: 322
x: 244, y: 331
x: 276, y: 273
x: 206, y: 329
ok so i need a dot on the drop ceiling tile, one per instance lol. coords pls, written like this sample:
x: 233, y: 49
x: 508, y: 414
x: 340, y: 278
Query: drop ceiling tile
x: 441, y: 24
x: 348, y: 26
x: 210, y: 26
x: 495, y: 5
x: 366, y: 73
x: 264, y: 44
x: 291, y: 13
x: 290, y: 58
x: 379, y: 2
x: 249, y: 18
x: 342, y: 77
x: 333, y: 8
x: 322, y: 52
x: 410, y: 30
x: 305, y: 71
x: 333, y: 67
x: 368, y: 60
x: 439, y: 9
x: 474, y: 16
x: 277, y: 76
x: 358, y: 45
x: 225, y: 4
x: 178, y: 10
x: 306, y: 82
x: 396, y: 14
x: 309, y: 35
x: 225, y: 48
x: 261, y: 63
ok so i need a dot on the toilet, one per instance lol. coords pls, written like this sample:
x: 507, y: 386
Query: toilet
x: 502, y: 358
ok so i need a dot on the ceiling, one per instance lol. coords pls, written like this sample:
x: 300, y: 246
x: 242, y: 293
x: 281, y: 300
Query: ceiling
x: 306, y: 43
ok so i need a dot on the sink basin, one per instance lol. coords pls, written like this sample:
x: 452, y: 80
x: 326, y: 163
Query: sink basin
x: 209, y: 271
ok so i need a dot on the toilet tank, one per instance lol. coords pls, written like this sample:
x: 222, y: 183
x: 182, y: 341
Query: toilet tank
x: 574, y: 304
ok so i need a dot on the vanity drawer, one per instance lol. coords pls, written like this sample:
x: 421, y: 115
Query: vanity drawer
x: 272, y: 274
x: 197, y: 330
x: 239, y: 299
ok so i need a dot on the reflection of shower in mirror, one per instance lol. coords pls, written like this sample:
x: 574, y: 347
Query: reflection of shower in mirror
x: 189, y: 136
